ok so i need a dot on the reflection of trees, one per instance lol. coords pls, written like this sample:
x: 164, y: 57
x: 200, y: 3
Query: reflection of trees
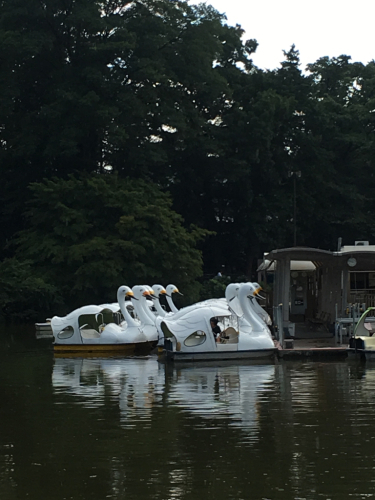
x: 308, y: 425
x: 129, y: 429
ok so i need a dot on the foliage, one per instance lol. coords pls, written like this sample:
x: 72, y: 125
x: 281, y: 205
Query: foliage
x: 166, y: 92
x: 214, y: 288
x: 88, y: 235
x: 23, y: 293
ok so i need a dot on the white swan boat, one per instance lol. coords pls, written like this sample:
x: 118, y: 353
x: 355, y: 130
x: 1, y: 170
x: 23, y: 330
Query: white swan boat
x: 190, y: 338
x: 362, y: 343
x: 94, y: 329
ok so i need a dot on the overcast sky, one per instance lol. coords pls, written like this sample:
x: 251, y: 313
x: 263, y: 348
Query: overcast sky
x: 318, y: 28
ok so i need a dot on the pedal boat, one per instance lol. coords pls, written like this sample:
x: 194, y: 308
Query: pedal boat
x: 362, y: 343
x: 190, y: 337
x: 94, y: 329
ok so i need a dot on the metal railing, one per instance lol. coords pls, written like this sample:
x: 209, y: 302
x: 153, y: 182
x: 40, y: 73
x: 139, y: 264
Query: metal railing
x: 365, y: 296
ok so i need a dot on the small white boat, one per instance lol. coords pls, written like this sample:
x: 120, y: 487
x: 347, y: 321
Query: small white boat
x: 362, y: 343
x: 190, y: 337
x: 43, y: 330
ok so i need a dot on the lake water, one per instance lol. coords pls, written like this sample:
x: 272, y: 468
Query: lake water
x: 132, y: 428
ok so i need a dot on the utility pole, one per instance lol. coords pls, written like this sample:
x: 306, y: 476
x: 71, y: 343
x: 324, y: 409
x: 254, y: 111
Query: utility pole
x: 294, y: 174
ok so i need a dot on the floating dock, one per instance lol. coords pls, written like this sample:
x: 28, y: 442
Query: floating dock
x: 312, y: 344
x: 312, y: 352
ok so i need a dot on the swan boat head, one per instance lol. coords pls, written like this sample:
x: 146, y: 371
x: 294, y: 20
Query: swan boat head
x: 146, y: 317
x: 258, y: 308
x: 250, y: 307
x: 231, y: 294
x: 158, y: 291
x: 172, y: 289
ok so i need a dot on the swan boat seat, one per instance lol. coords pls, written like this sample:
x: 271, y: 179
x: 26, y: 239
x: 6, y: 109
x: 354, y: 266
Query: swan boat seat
x: 91, y: 325
x: 229, y: 336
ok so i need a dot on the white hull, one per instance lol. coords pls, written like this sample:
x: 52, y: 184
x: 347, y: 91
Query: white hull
x: 139, y: 347
x: 220, y: 355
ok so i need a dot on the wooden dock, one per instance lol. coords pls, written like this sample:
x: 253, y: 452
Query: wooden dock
x: 321, y: 347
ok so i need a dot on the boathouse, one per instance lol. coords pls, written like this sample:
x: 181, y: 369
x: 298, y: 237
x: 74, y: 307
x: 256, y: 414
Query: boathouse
x: 319, y: 286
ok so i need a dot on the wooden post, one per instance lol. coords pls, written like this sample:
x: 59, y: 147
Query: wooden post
x: 344, y: 291
x: 285, y: 284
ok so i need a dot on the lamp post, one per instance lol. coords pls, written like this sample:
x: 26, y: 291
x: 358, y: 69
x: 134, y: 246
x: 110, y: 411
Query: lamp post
x: 294, y: 174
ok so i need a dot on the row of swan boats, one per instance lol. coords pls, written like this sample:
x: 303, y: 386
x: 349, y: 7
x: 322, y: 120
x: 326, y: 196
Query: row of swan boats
x: 138, y: 323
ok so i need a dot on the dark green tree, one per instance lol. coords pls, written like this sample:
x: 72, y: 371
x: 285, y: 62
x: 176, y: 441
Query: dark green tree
x: 85, y: 84
x: 165, y: 91
x: 88, y: 235
x: 336, y: 199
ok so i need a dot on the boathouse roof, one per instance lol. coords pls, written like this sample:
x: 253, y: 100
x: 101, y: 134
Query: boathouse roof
x: 365, y: 254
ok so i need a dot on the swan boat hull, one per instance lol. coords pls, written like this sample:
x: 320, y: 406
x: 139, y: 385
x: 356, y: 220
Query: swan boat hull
x: 362, y: 348
x: 91, y: 329
x: 360, y: 354
x: 219, y: 355
x: 128, y: 348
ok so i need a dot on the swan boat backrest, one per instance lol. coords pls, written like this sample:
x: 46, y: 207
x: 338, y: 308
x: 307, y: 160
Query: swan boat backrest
x: 85, y: 322
x: 194, y: 330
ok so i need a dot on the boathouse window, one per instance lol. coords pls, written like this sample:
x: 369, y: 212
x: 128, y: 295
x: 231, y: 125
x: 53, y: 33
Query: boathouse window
x: 66, y: 333
x: 360, y: 281
x: 196, y: 338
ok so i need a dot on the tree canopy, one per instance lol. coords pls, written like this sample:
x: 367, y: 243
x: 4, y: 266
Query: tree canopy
x: 90, y: 234
x: 165, y: 93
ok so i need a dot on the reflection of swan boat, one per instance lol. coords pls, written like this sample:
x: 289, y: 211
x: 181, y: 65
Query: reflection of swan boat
x: 137, y: 383
x: 189, y: 336
x: 216, y: 392
x: 362, y: 343
x: 97, y: 329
